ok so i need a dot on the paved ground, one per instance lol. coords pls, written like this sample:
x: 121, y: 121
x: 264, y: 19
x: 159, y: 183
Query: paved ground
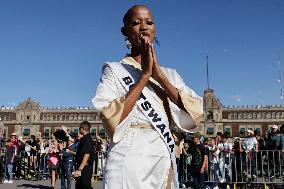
x: 42, y: 184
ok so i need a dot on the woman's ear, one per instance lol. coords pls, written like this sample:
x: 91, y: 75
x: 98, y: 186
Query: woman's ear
x: 123, y: 31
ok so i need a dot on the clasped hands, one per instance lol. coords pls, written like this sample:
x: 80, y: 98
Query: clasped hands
x: 149, y: 63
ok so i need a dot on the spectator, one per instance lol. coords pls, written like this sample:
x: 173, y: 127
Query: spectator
x: 213, y: 161
x: 67, y: 156
x: 32, y: 143
x: 53, y: 160
x: 10, y: 155
x: 44, y: 147
x: 250, y: 146
x: 225, y: 147
x: 100, y: 153
x: 179, y: 142
x: 14, y: 140
x: 219, y: 137
x: 20, y: 158
x: 282, y: 138
x: 237, y: 160
x: 199, y: 162
x: 274, y: 144
x: 273, y: 139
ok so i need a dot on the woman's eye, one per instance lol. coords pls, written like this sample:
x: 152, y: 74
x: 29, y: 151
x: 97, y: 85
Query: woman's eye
x: 134, y: 23
x: 150, y: 22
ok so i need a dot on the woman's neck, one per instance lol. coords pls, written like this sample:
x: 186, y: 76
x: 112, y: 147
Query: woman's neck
x: 136, y: 55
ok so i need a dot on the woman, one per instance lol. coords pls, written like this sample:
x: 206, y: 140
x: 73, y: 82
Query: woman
x: 138, y: 102
x: 32, y: 144
x: 53, y: 161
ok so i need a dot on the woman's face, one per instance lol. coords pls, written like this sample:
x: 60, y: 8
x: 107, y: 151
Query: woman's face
x: 139, y: 23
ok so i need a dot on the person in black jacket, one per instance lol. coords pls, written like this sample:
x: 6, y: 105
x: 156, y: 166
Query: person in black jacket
x: 84, y: 158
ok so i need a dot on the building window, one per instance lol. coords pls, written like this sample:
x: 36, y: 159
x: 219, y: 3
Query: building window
x: 209, y: 115
x: 76, y: 131
x: 210, y: 131
x: 28, y: 117
x: 257, y: 131
x: 46, y: 132
x: 228, y: 131
x: 242, y: 130
x: 5, y: 132
x: 102, y: 132
x: 26, y: 132
x: 94, y: 131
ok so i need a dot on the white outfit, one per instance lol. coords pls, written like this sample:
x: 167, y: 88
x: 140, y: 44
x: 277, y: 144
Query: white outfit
x: 138, y: 158
x: 250, y: 144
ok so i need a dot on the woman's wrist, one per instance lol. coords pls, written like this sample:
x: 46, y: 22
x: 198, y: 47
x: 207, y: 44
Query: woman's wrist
x: 145, y: 77
x: 161, y: 78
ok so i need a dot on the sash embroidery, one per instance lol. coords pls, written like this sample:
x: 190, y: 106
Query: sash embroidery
x: 151, y: 110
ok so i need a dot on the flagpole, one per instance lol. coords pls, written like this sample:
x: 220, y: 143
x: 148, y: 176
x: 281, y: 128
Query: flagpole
x: 207, y: 70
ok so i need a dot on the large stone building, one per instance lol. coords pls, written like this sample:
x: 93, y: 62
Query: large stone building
x: 31, y: 118
x: 236, y: 120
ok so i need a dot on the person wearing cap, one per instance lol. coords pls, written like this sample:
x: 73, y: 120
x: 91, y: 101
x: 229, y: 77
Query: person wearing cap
x: 10, y: 156
x: 250, y: 146
x: 273, y: 140
x: 282, y: 139
x: 274, y: 143
x: 84, y: 158
x: 199, y: 162
x: 15, y: 141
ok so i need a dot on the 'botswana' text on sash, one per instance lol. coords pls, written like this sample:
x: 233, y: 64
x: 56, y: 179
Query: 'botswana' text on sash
x: 151, y: 112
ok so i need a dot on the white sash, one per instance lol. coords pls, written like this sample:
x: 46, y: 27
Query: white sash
x: 151, y: 109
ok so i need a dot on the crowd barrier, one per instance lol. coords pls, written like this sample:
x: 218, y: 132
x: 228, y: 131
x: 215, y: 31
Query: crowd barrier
x: 251, y: 168
x: 247, y: 168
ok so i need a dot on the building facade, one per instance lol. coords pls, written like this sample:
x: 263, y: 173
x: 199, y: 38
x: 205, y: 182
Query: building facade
x: 29, y: 118
x: 236, y: 120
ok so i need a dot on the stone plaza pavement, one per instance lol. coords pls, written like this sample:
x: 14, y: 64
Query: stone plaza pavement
x: 42, y: 184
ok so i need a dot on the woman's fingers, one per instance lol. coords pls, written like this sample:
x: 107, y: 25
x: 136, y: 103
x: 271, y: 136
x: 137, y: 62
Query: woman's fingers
x: 153, y: 53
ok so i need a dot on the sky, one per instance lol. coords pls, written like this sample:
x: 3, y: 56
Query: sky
x: 53, y: 50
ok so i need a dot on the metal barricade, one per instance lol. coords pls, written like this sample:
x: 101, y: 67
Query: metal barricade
x: 249, y: 168
x: 99, y: 164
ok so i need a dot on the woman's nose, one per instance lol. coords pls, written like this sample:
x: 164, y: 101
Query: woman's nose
x: 143, y: 26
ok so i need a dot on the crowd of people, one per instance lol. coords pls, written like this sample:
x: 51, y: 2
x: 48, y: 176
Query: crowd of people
x: 200, y: 160
x: 206, y: 162
x: 61, y: 156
